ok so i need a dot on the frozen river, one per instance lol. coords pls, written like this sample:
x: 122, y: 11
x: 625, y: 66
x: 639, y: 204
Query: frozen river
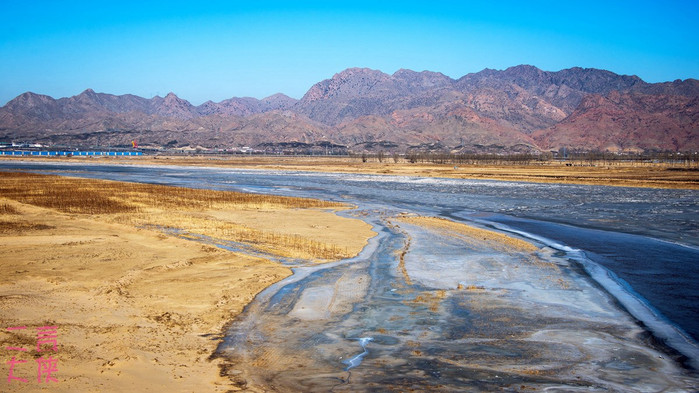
x: 429, y: 307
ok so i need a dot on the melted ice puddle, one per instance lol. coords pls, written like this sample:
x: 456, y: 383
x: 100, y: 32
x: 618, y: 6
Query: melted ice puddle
x: 357, y: 360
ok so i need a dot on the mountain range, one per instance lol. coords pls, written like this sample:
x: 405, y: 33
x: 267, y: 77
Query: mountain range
x: 520, y: 109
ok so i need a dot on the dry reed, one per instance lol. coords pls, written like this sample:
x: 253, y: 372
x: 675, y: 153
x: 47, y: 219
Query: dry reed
x: 15, y: 226
x: 166, y: 206
x: 89, y: 196
x: 8, y: 209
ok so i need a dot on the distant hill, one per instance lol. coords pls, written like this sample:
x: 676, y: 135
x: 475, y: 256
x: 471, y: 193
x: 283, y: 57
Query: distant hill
x: 518, y: 109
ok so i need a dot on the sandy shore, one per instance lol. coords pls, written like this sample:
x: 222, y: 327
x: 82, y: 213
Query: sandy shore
x: 626, y: 174
x: 136, y: 309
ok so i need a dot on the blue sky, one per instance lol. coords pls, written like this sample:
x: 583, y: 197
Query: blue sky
x: 215, y: 50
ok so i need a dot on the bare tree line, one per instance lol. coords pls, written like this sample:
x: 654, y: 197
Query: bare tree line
x: 569, y: 158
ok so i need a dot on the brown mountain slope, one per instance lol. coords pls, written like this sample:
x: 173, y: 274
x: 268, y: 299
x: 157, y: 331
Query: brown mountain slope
x: 215, y: 131
x: 451, y: 126
x: 627, y: 122
x: 246, y: 106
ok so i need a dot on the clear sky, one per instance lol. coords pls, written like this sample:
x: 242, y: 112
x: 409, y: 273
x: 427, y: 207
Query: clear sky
x: 203, y: 50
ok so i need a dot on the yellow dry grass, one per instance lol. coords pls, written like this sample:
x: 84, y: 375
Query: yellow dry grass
x: 90, y: 196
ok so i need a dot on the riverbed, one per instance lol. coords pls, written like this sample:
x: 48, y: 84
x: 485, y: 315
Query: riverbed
x: 603, y: 299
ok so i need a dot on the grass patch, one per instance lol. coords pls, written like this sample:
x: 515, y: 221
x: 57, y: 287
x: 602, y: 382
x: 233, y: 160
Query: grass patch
x: 8, y: 209
x: 11, y: 227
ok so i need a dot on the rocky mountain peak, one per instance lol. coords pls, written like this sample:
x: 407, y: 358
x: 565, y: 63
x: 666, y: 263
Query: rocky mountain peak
x: 592, y: 80
x: 277, y: 96
x: 350, y: 73
x: 524, y: 70
x: 172, y: 100
x: 424, y: 79
x: 173, y: 106
x: 350, y: 82
x: 30, y: 105
x: 29, y: 100
x: 278, y: 101
x: 528, y: 76
x: 87, y: 96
